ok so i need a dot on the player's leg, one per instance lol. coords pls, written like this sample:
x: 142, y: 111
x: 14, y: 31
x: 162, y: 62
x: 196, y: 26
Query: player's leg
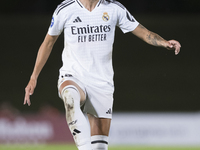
x: 99, y: 109
x: 100, y: 128
x: 73, y: 96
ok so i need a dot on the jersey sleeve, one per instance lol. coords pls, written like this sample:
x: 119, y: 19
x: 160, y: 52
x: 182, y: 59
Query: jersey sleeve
x: 57, y: 24
x: 126, y: 22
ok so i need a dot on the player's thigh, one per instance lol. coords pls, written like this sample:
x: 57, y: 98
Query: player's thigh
x: 99, y: 126
x: 69, y: 82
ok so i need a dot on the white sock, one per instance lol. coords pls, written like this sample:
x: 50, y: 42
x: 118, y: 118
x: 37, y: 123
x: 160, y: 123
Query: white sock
x: 76, y: 120
x: 99, y: 142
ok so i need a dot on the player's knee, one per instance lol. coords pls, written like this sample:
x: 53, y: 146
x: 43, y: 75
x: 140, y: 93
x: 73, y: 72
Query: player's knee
x: 70, y: 96
x: 68, y: 99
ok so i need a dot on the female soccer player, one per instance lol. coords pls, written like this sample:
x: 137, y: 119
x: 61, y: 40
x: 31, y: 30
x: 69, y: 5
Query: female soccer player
x: 86, y: 77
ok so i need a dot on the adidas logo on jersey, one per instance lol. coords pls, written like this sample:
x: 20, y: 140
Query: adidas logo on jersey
x: 77, y: 20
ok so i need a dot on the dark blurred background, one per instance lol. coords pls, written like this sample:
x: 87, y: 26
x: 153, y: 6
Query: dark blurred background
x: 147, y: 78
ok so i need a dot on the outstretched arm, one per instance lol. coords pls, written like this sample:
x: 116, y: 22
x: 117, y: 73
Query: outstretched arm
x: 156, y: 40
x: 43, y: 55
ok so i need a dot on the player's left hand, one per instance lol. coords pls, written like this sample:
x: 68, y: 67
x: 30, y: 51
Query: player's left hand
x: 174, y: 45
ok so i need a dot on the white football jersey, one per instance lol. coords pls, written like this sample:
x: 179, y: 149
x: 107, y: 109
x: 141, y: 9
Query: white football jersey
x: 89, y: 38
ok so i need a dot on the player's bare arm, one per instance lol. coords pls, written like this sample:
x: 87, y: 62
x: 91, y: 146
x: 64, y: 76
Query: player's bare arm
x: 156, y: 40
x: 43, y: 54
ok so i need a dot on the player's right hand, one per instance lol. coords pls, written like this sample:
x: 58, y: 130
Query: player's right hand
x: 29, y: 91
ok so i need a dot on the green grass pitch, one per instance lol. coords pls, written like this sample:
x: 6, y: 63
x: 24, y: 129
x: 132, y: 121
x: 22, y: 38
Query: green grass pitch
x: 72, y: 147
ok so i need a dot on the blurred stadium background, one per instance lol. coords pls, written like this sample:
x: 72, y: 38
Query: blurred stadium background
x: 157, y: 95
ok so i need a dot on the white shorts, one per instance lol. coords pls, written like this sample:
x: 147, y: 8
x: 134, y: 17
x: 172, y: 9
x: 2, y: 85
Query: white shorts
x: 98, y: 103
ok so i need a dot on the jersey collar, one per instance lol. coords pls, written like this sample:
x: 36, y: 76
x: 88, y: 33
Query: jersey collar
x: 81, y: 5
x: 100, y: 1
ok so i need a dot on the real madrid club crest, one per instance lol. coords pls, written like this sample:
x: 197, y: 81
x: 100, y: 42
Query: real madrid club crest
x: 105, y: 17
